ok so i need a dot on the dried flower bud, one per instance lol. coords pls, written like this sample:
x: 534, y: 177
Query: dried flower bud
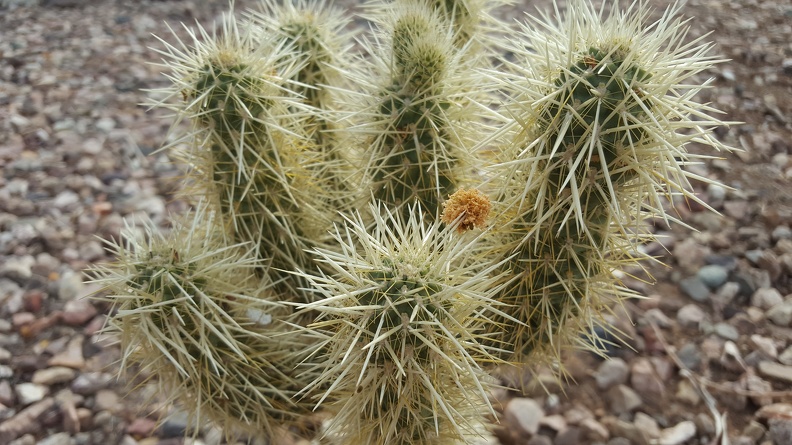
x: 473, y: 205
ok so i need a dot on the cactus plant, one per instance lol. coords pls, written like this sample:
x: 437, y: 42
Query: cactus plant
x: 401, y: 331
x: 317, y: 37
x: 603, y: 116
x: 193, y: 315
x: 417, y: 117
x: 249, y: 146
x: 402, y: 309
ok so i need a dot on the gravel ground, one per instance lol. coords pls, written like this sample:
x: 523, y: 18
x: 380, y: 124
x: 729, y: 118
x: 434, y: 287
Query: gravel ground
x: 711, y: 343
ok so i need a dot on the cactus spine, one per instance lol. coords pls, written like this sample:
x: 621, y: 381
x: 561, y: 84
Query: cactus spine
x: 317, y: 38
x: 194, y: 316
x: 401, y: 331
x: 601, y: 140
x: 416, y: 147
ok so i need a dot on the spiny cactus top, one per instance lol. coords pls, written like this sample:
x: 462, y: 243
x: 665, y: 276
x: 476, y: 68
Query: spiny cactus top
x: 603, y: 115
x: 250, y: 146
x: 400, y: 312
x: 197, y: 319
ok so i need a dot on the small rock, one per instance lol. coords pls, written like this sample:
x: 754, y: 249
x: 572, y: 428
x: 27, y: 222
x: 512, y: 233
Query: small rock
x: 7, y: 396
x: 72, y: 357
x: 525, y: 414
x: 6, y: 372
x: 70, y: 285
x: 622, y: 399
x: 647, y: 424
x: 690, y: 316
x: 713, y: 275
x: 644, y: 379
x: 577, y: 414
x: 780, y: 430
x: 594, y: 430
x: 53, y: 375
x: 555, y: 422
x: 56, y: 439
x: 569, y: 436
x: 725, y: 295
x: 781, y: 232
x: 677, y: 434
x: 755, y: 431
x: 766, y: 298
x: 766, y: 345
x: 694, y: 288
x: 71, y: 419
x: 612, y: 372
x: 658, y: 317
x: 28, y: 393
x: 89, y: 383
x: 776, y: 371
x: 106, y: 400
x: 77, y: 312
x: 141, y: 427
x: 727, y: 331
x: 690, y: 356
x: 25, y: 421
x: 786, y: 356
x: 781, y: 314
x: 689, y: 254
x: 759, y: 386
x: 775, y: 411
x: 687, y: 393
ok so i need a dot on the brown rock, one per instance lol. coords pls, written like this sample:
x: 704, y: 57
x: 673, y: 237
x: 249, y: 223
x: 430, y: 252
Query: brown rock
x: 775, y: 411
x: 776, y: 371
x: 25, y: 421
x: 72, y: 357
x: 141, y: 427
x: 77, y: 312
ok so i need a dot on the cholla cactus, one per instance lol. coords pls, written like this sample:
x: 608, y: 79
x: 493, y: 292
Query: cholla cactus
x: 603, y: 115
x: 399, y: 312
x: 194, y: 317
x: 249, y: 147
x: 317, y: 38
x: 599, y: 112
x: 418, y: 121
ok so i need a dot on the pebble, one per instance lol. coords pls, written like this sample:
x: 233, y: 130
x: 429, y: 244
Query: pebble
x: 647, y: 424
x: 594, y: 431
x: 713, y: 275
x: 695, y: 288
x: 690, y: 356
x: 644, y: 378
x: 57, y: 439
x: 141, y: 427
x: 766, y: 345
x: 72, y: 357
x: 611, y: 372
x: 727, y: 331
x: 622, y: 399
x: 687, y: 393
x: 90, y: 382
x: 766, y: 298
x: 781, y: 314
x: 525, y: 414
x: 28, y: 393
x: 77, y: 312
x: 776, y: 371
x: 678, y: 434
x: 690, y: 316
x: 70, y: 285
x: 53, y: 375
x: 780, y: 431
x: 786, y: 356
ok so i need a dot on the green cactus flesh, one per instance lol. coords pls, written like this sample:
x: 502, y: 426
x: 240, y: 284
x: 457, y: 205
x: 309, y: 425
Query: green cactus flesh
x: 414, y: 164
x: 571, y: 261
x: 254, y: 187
